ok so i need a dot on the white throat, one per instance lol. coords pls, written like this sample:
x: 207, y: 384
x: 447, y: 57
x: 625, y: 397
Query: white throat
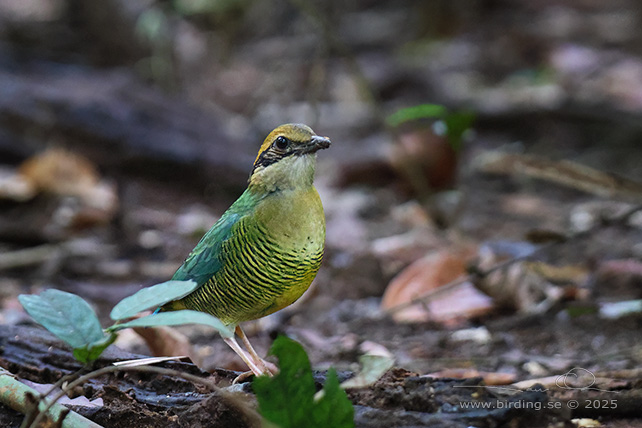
x: 292, y: 172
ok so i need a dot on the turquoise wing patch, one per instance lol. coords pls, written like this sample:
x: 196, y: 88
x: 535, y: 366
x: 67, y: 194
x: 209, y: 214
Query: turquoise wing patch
x: 206, y: 258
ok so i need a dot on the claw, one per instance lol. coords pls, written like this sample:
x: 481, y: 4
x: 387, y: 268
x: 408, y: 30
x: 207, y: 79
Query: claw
x: 258, y: 366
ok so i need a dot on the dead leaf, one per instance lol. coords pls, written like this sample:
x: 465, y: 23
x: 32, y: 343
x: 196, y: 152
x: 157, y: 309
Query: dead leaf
x: 576, y: 378
x: 63, y: 173
x: 426, y: 275
x: 529, y: 287
x: 632, y: 267
x: 426, y: 161
x: 60, y: 172
x: 479, y: 335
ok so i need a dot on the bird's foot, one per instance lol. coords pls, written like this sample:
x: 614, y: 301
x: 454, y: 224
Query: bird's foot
x: 268, y: 368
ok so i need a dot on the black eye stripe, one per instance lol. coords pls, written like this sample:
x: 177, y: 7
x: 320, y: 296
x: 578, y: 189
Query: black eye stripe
x: 268, y: 157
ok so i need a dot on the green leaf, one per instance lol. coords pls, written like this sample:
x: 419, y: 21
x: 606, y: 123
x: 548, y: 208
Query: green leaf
x: 422, y: 111
x: 457, y: 124
x: 333, y: 409
x: 66, y: 315
x: 451, y: 124
x: 177, y: 318
x: 92, y: 351
x: 151, y: 298
x: 287, y: 399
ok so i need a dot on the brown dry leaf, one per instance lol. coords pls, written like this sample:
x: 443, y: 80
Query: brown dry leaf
x: 168, y: 342
x: 423, y: 275
x: 490, y: 378
x: 530, y: 287
x: 427, y: 274
x: 61, y: 172
x: 426, y: 161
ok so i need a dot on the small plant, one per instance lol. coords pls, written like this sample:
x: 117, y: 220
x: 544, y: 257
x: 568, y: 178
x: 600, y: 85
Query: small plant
x: 288, y: 399
x: 452, y: 124
x: 73, y: 321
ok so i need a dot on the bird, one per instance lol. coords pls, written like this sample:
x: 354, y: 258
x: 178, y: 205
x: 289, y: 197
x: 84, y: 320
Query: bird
x: 264, y: 251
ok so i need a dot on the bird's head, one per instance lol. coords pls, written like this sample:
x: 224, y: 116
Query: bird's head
x: 287, y: 158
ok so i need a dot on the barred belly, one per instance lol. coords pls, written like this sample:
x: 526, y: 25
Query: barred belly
x: 258, y: 276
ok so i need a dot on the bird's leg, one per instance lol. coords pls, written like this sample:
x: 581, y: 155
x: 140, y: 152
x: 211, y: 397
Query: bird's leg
x: 231, y: 341
x: 268, y: 368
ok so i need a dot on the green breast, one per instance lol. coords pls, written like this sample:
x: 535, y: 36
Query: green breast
x: 269, y: 259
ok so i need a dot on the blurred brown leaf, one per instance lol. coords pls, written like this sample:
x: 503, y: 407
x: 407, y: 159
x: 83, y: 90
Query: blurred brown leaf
x: 64, y: 173
x: 461, y: 301
x: 426, y: 161
x: 60, y: 172
x: 531, y: 287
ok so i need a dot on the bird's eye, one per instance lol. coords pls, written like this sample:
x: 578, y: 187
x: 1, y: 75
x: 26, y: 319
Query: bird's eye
x: 281, y: 143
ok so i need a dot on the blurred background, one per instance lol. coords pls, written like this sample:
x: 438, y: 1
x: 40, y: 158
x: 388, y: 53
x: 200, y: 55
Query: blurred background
x: 465, y: 134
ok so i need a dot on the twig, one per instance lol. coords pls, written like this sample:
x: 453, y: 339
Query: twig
x: 29, y: 256
x: 46, y: 252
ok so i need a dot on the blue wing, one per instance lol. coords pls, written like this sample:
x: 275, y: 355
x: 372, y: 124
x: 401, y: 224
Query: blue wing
x: 206, y: 258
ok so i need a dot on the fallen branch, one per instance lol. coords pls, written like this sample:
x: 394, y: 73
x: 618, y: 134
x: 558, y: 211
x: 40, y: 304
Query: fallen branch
x: 24, y: 399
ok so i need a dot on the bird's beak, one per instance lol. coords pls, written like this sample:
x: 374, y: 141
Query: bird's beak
x: 316, y: 143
